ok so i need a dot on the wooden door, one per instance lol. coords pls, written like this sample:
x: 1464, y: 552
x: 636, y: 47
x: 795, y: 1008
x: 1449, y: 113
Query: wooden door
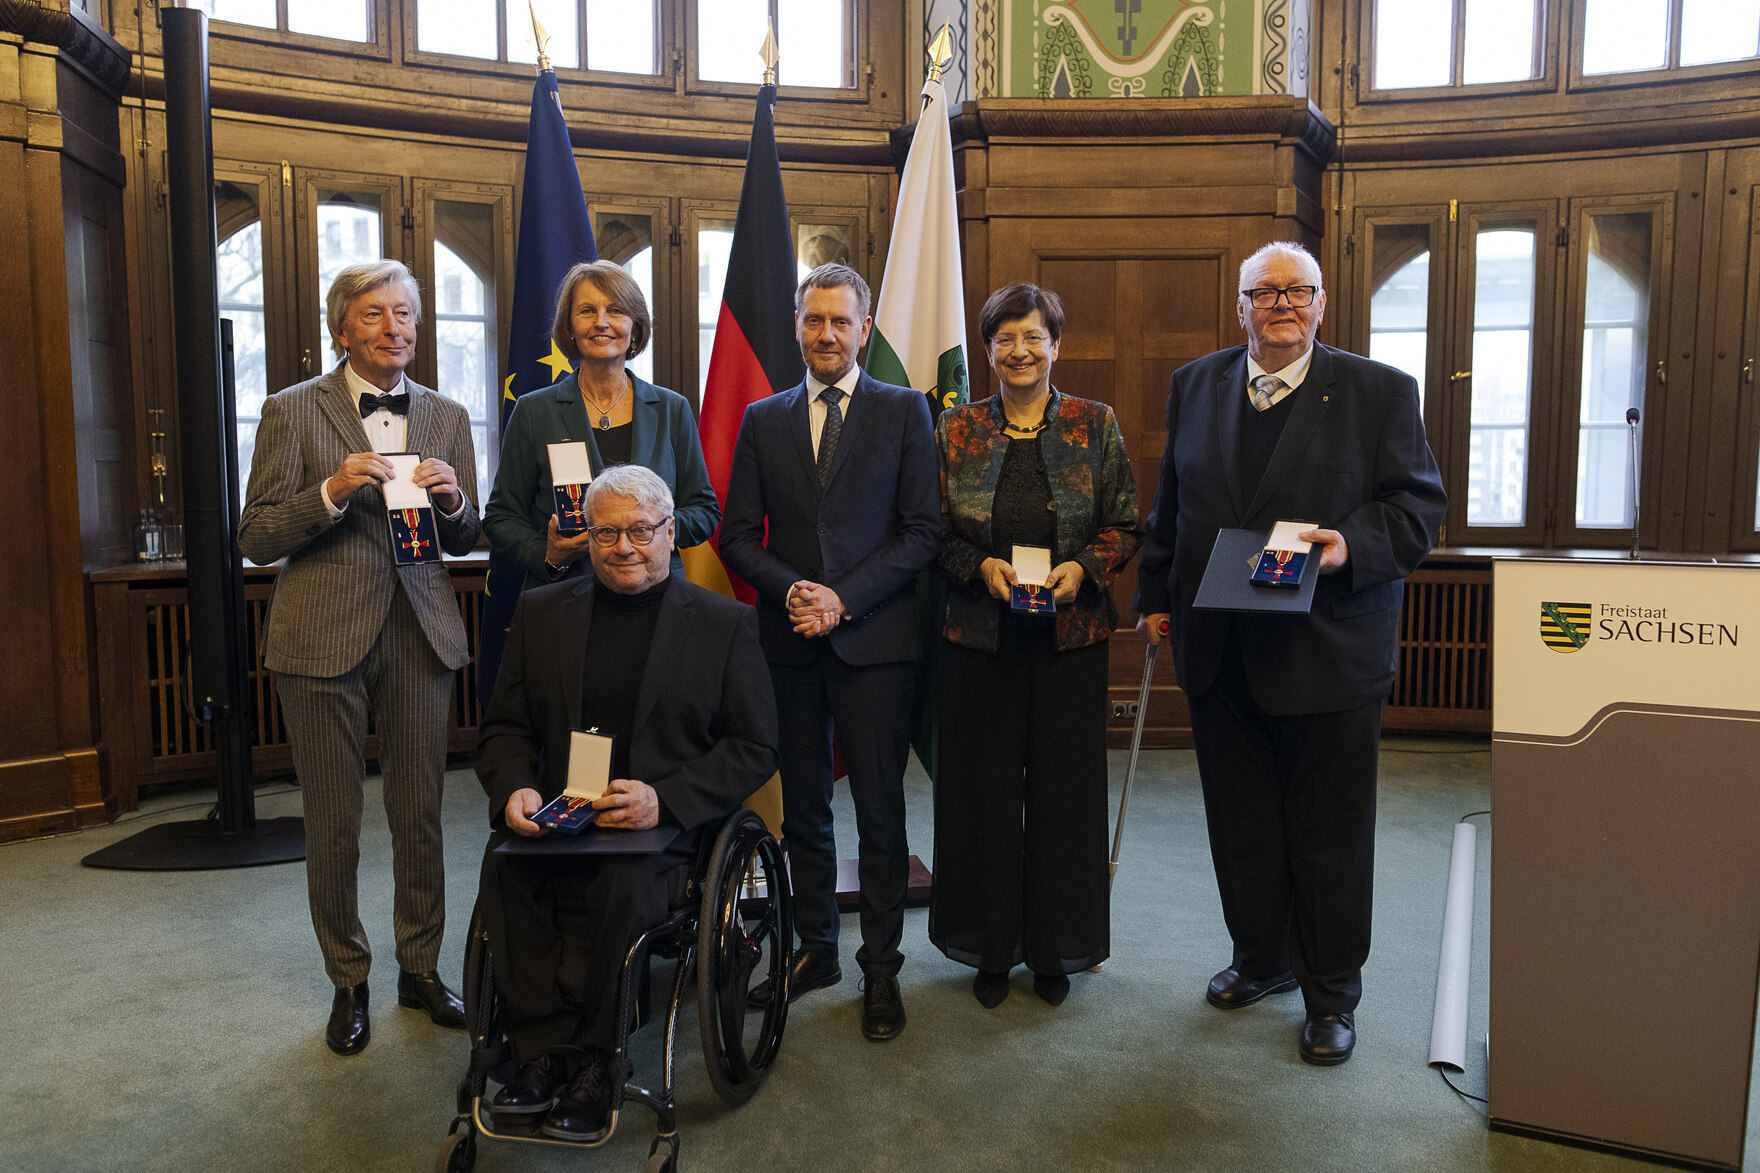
x: 1141, y: 298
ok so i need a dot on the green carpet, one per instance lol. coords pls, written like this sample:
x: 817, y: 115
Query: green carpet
x: 173, y: 1021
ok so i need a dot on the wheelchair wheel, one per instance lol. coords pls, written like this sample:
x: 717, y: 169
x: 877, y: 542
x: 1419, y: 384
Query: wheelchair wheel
x: 458, y: 1154
x: 744, y: 931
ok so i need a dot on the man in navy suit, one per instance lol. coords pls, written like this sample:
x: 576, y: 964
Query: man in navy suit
x: 1286, y: 709
x: 833, y: 506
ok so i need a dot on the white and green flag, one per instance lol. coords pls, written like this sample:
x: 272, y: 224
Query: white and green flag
x: 919, y: 338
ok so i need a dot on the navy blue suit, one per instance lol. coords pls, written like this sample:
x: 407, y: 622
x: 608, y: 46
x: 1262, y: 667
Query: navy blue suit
x: 866, y: 535
x: 1286, y: 708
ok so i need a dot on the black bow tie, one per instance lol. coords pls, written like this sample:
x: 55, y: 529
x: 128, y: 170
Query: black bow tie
x: 396, y: 404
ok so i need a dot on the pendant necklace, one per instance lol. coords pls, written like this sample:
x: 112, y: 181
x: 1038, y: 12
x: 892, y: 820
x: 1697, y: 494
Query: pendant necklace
x: 605, y: 412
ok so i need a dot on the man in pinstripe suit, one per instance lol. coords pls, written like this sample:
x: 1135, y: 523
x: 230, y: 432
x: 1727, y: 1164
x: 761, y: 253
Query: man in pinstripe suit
x: 351, y: 635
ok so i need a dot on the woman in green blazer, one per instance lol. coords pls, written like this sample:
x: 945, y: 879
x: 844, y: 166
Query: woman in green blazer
x: 601, y: 323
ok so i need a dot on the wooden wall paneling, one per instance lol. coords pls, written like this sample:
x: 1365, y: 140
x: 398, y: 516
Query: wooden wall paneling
x: 1142, y: 298
x: 1735, y: 408
x: 63, y: 170
x: 98, y: 351
x: 1717, y: 340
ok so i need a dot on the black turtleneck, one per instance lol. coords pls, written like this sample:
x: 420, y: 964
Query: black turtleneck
x: 617, y: 651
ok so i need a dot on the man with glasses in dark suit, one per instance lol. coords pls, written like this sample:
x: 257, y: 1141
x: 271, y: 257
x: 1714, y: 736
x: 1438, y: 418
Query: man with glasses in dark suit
x: 1286, y: 709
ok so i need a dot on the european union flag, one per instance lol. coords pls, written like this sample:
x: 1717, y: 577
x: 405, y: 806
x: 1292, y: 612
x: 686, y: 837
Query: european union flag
x: 554, y: 235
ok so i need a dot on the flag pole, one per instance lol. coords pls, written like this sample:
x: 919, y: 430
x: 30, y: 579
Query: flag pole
x: 540, y: 36
x: 940, y: 53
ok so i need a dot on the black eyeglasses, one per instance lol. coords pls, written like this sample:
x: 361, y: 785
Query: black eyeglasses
x: 639, y: 535
x: 1298, y: 296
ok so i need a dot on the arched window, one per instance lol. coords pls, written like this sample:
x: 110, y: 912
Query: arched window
x: 462, y: 324
x: 348, y: 234
x: 1399, y: 312
x: 240, y: 268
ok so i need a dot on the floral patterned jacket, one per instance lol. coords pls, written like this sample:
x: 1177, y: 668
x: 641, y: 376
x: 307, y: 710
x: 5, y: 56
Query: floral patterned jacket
x: 1092, y: 492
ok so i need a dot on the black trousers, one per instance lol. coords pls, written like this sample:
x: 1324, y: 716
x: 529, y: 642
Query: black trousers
x: 1290, y: 803
x: 870, y: 709
x: 560, y: 927
x: 1020, y: 806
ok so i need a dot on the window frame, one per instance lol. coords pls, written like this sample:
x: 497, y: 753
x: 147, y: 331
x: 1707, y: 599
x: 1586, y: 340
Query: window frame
x: 310, y: 289
x: 1744, y: 528
x: 861, y: 68
x: 667, y: 339
x: 1661, y: 206
x: 377, y: 48
x: 666, y: 55
x: 1363, y: 53
x: 1669, y: 71
x: 499, y: 199
x: 1542, y: 372
x: 693, y: 213
x: 1436, y: 370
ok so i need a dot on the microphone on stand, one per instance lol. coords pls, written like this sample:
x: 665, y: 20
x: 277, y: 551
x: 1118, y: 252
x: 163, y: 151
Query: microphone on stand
x: 1632, y: 431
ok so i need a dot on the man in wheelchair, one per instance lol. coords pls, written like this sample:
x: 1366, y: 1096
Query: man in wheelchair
x: 675, y: 675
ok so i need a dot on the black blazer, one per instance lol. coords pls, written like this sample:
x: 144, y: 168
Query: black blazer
x: 865, y: 535
x: 705, y: 724
x: 1353, y: 458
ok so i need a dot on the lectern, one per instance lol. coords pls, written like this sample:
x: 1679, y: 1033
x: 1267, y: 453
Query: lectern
x: 1625, y: 854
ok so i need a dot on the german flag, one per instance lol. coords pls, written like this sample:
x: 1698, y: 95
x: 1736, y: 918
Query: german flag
x: 755, y: 350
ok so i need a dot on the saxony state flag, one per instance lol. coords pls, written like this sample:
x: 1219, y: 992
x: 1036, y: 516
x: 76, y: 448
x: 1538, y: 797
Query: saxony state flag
x: 1565, y: 627
x: 919, y: 338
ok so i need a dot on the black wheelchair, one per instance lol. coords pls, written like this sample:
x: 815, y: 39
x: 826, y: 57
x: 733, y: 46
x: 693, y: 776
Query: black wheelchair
x: 733, y: 930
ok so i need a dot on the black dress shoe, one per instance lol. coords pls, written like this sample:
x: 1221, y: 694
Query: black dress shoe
x: 531, y: 1091
x: 990, y: 988
x: 1053, y: 987
x: 349, y: 1029
x: 1230, y: 991
x: 1328, y: 1039
x: 806, y: 972
x: 582, y: 1112
x: 882, y: 1008
x: 425, y: 991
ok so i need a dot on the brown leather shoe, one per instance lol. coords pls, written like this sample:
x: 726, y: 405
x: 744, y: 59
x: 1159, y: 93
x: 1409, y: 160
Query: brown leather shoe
x: 1230, y: 991
x: 349, y: 1030
x: 425, y: 991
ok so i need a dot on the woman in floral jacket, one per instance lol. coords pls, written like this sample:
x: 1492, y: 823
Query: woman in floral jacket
x: 1020, y: 799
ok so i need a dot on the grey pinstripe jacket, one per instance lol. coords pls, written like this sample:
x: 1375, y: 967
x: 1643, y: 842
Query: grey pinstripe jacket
x: 332, y: 596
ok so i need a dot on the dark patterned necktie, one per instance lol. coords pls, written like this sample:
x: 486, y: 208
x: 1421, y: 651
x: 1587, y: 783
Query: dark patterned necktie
x: 828, y: 435
x: 1264, y: 387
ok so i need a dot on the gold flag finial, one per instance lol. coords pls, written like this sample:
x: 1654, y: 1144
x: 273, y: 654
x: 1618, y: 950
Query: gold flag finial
x: 769, y: 54
x: 940, y: 53
x: 540, y: 37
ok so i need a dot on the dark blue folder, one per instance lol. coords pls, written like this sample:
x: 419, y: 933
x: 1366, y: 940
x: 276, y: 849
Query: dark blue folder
x: 1228, y: 584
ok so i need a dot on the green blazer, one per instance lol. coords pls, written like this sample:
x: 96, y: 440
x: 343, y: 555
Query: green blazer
x: 665, y: 440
